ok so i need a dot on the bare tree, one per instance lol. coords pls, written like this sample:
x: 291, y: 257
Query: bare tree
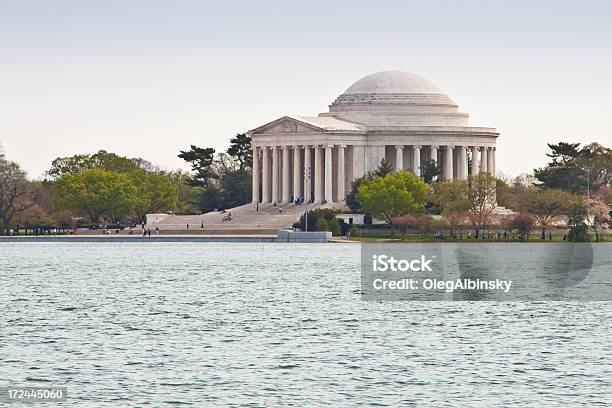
x: 482, y: 202
x: 17, y: 194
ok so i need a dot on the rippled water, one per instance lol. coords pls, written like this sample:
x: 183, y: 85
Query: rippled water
x: 147, y: 324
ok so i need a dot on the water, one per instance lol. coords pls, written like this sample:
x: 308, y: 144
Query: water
x: 173, y: 324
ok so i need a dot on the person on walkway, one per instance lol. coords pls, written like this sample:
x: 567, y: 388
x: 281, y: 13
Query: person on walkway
x: 149, y: 232
x: 156, y: 230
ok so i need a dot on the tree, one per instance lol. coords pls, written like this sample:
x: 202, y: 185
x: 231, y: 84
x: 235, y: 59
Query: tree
x: 523, y: 223
x: 155, y: 192
x: 240, y: 148
x: 599, y: 216
x: 424, y: 224
x: 547, y: 205
x: 102, y: 159
x: 572, y: 168
x: 17, y: 194
x: 313, y: 216
x: 450, y: 196
x: 505, y: 195
x: 456, y: 220
x: 404, y: 222
x: 596, y: 160
x: 321, y: 225
x: 577, y: 221
x: 385, y: 167
x: 210, y: 199
x: 429, y: 170
x: 96, y: 193
x: 201, y: 161
x: 189, y: 197
x: 236, y: 188
x: 393, y: 195
x: 481, y: 200
x: 351, y: 198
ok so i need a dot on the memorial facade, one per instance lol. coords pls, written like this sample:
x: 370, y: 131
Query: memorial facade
x: 392, y: 115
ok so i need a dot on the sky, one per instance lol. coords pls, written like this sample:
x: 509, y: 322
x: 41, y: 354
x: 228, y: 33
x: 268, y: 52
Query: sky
x: 148, y: 78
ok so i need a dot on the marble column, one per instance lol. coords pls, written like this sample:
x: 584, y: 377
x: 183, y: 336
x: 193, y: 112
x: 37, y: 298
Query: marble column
x: 265, y: 175
x: 474, y: 151
x: 490, y: 156
x: 286, y: 176
x: 433, y: 153
x: 463, y: 171
x: 255, y: 172
x: 341, y: 176
x: 416, y: 160
x: 297, y: 179
x: 493, y: 150
x: 448, y: 163
x: 318, y: 176
x: 399, y: 158
x: 484, y: 160
x: 275, y: 174
x: 307, y: 173
x: 329, y: 183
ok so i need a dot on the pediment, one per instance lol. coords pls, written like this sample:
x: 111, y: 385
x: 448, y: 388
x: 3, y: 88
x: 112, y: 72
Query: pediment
x: 286, y: 124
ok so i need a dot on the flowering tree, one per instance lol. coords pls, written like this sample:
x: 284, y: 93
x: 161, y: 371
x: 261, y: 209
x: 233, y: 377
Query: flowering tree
x: 598, y: 215
x: 456, y: 220
x: 404, y: 222
x: 523, y: 223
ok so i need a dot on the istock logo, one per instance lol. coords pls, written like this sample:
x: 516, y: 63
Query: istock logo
x: 385, y: 263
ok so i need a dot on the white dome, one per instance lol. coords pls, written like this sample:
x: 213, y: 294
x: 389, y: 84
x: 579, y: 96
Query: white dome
x: 396, y: 98
x: 393, y: 82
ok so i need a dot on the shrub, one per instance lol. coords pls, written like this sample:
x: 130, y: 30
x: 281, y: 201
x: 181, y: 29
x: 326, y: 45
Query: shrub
x: 578, y: 233
x: 334, y: 226
x: 321, y: 225
x: 404, y: 222
x: 523, y: 223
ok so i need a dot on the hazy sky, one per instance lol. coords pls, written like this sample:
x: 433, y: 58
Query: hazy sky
x: 147, y: 78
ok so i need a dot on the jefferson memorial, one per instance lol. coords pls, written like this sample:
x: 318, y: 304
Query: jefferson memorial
x: 401, y: 117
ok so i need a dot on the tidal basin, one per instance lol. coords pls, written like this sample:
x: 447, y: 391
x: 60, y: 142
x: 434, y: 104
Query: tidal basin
x: 262, y: 324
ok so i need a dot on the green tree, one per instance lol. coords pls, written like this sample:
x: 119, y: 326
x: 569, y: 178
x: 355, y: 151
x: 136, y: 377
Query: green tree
x: 96, y: 193
x: 322, y: 225
x: 236, y: 188
x: 382, y: 170
x: 211, y: 199
x: 351, y: 198
x: 505, y: 194
x: 102, y: 159
x: 393, y: 195
x: 596, y: 160
x: 429, y: 170
x: 546, y: 205
x: 155, y: 192
x: 201, y: 161
x: 573, y: 168
x: 240, y: 148
x: 450, y: 196
x: 313, y: 216
x: 384, y: 167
